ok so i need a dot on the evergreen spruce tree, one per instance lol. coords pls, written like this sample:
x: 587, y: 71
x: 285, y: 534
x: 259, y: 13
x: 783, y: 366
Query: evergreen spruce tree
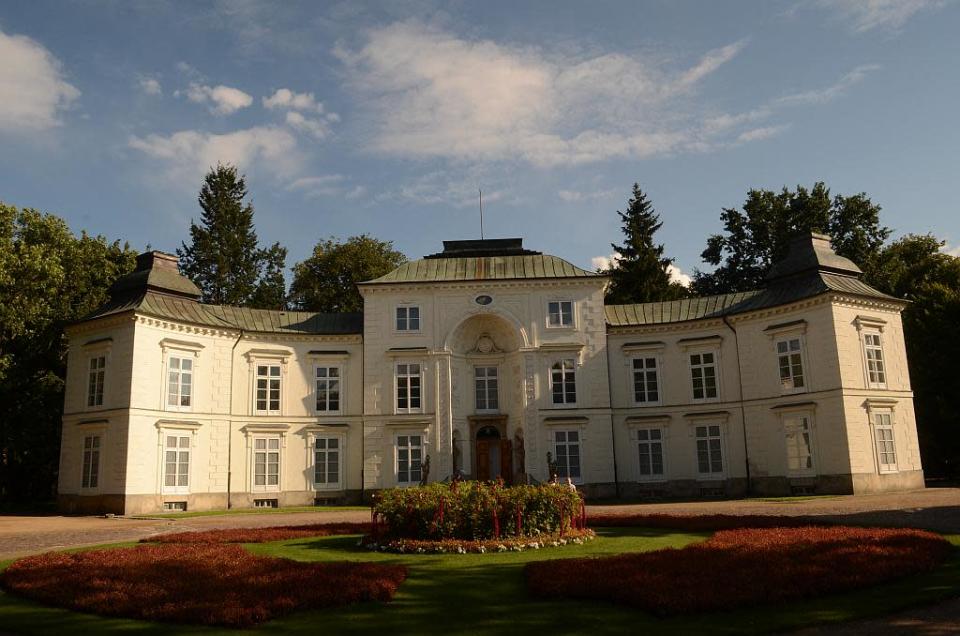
x: 640, y: 271
x: 224, y: 258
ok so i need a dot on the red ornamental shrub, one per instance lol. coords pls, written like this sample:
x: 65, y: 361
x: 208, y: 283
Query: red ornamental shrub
x: 744, y: 567
x: 261, y: 535
x: 195, y: 583
x: 693, y: 523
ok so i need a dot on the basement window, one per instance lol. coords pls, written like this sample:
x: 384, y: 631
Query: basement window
x: 175, y: 506
x: 266, y: 503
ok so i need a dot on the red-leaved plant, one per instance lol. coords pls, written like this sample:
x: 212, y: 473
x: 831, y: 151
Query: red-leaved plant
x: 261, y: 535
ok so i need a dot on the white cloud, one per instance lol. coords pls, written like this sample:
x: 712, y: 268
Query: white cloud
x: 188, y: 154
x: 445, y: 188
x: 952, y: 251
x: 676, y: 274
x: 317, y: 125
x: 318, y: 128
x: 225, y: 99
x: 824, y: 95
x: 761, y: 133
x: 433, y: 94
x: 573, y: 196
x: 866, y: 15
x: 318, y: 186
x: 34, y: 91
x: 603, y: 262
x: 149, y: 86
x: 286, y: 98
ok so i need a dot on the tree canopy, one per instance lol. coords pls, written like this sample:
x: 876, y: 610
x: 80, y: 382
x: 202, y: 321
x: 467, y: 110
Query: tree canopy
x: 640, y: 271
x: 224, y: 257
x: 757, y: 235
x: 327, y: 280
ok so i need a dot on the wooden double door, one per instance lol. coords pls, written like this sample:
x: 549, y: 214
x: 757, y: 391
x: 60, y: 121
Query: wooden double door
x: 493, y: 450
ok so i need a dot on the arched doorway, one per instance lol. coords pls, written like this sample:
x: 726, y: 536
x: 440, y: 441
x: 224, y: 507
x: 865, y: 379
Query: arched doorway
x: 494, y: 454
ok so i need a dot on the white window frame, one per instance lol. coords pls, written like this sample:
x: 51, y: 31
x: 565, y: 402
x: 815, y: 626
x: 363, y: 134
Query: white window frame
x: 405, y: 308
x: 341, y: 440
x: 316, y: 388
x: 882, y: 420
x: 397, y: 382
x: 882, y: 369
x: 168, y: 370
x: 788, y: 384
x: 555, y: 444
x: 266, y: 486
x: 95, y: 464
x: 564, y: 371
x: 269, y: 364
x: 179, y: 449
x: 633, y: 371
x: 709, y: 436
x: 715, y: 352
x: 485, y: 381
x: 96, y: 381
x: 803, y: 417
x: 560, y: 302
x: 637, y: 434
x: 409, y: 448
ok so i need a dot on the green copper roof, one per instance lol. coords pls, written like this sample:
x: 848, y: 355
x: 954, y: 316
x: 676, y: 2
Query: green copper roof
x: 527, y: 266
x: 674, y: 311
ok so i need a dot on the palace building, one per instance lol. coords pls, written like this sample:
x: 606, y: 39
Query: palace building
x: 495, y: 361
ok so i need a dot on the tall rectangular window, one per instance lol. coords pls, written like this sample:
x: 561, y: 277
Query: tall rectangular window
x: 646, y: 384
x: 95, y: 377
x: 266, y: 463
x: 328, y: 389
x: 179, y: 382
x: 703, y: 374
x: 886, y: 446
x: 408, y: 318
x: 563, y: 382
x: 709, y: 450
x: 408, y: 387
x: 566, y: 448
x: 90, y: 477
x: 560, y: 313
x: 487, y: 391
x: 268, y: 389
x: 326, y: 462
x: 650, y: 452
x: 876, y: 371
x: 796, y: 430
x: 791, y: 364
x: 176, y: 471
x: 409, y: 457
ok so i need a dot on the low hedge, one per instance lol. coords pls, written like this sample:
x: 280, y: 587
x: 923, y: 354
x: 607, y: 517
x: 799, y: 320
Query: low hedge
x: 260, y: 535
x: 475, y: 510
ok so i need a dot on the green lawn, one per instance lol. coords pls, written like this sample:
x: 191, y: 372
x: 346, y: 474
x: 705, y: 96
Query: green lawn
x: 485, y: 594
x: 250, y: 511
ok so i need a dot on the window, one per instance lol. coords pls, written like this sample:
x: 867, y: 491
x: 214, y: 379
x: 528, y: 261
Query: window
x: 709, y: 450
x: 326, y: 462
x: 266, y: 463
x: 876, y: 371
x: 796, y: 430
x: 563, y: 382
x: 268, y: 389
x: 486, y: 383
x: 650, y: 452
x: 566, y: 450
x: 98, y: 366
x: 408, y: 318
x: 408, y: 387
x: 646, y: 384
x: 328, y: 389
x: 409, y: 456
x: 791, y: 364
x: 90, y: 477
x: 176, y: 470
x: 179, y: 382
x: 703, y: 373
x: 560, y: 313
x: 886, y: 446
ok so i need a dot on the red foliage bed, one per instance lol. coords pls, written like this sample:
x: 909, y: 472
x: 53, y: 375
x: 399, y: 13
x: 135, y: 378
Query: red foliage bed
x: 743, y: 567
x: 195, y: 583
x: 693, y: 523
x: 261, y: 535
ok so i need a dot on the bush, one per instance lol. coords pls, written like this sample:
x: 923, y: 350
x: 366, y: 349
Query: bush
x: 694, y: 523
x: 195, y: 583
x: 474, y: 510
x: 737, y: 568
x: 261, y: 535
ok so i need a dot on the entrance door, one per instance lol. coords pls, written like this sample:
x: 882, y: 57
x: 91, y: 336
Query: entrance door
x: 494, y: 455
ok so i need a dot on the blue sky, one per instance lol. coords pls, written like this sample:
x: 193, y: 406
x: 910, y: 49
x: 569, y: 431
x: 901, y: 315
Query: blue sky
x: 386, y: 118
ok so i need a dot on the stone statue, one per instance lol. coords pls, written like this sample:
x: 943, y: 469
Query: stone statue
x: 425, y: 471
x: 520, y: 461
x: 551, y: 468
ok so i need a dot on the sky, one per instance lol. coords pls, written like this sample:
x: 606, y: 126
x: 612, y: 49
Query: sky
x: 387, y: 118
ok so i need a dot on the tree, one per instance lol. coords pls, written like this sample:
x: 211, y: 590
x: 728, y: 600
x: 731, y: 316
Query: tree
x: 224, y: 258
x: 327, y: 281
x: 48, y: 278
x: 640, y: 271
x: 757, y: 236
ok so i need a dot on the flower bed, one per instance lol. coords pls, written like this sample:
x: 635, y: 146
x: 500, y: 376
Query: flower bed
x: 476, y: 511
x: 695, y: 523
x: 743, y: 567
x: 261, y: 535
x: 460, y: 546
x: 195, y: 583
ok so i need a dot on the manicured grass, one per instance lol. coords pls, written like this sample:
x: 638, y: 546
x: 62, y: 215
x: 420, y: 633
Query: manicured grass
x: 485, y: 594
x: 250, y: 511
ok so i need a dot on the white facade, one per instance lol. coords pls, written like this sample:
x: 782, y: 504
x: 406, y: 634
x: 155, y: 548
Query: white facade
x: 486, y: 358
